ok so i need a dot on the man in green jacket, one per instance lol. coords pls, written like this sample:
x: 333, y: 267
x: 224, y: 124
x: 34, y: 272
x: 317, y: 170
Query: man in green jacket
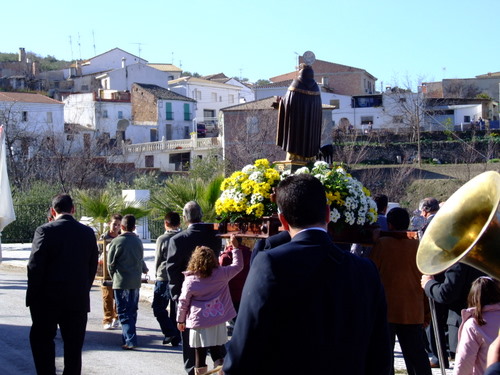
x: 126, y: 265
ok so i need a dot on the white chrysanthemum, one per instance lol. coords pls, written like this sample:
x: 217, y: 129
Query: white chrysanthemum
x: 321, y: 164
x: 248, y: 169
x: 320, y: 177
x: 302, y: 170
x: 349, y: 217
x: 256, y: 198
x: 371, y: 217
x: 334, y: 215
x: 256, y: 176
x: 285, y: 174
x: 341, y: 170
x: 350, y: 203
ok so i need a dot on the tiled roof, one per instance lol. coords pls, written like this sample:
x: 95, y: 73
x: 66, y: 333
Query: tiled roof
x: 201, y: 81
x: 25, y: 97
x: 113, y: 49
x: 165, y: 67
x: 216, y: 76
x: 163, y: 93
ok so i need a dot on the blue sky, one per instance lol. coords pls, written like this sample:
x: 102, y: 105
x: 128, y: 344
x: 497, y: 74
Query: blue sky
x: 399, y: 42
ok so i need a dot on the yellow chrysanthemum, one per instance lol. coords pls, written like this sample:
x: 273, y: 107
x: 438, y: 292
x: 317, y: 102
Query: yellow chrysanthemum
x: 262, y: 163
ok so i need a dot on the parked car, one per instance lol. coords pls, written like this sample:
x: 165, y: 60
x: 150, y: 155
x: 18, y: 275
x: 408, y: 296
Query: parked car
x: 202, y: 130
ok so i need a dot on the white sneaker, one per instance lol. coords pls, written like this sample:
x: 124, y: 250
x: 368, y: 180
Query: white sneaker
x: 116, y: 323
x: 107, y: 326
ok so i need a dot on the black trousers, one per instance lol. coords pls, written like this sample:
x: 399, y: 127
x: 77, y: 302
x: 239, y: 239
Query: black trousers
x: 411, y: 340
x: 43, y: 332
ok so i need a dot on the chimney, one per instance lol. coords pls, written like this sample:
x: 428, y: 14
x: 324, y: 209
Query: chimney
x: 22, y: 55
x: 35, y: 68
x: 123, y: 62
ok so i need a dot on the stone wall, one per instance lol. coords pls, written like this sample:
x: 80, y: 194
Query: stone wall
x: 435, y: 146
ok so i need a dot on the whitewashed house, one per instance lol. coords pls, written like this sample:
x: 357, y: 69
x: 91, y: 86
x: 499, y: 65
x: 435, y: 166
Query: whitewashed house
x: 121, y: 79
x: 173, y: 71
x: 109, y: 60
x: 246, y: 93
x: 104, y: 116
x: 30, y: 117
x: 174, y: 142
x: 210, y: 96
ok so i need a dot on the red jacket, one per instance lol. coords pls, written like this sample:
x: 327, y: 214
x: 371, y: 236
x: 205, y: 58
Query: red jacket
x: 237, y: 282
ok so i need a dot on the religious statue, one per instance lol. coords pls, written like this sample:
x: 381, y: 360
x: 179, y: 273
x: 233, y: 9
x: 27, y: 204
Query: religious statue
x: 300, y: 117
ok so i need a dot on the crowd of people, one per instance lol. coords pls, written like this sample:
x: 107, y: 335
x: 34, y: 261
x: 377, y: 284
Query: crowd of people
x: 297, y: 284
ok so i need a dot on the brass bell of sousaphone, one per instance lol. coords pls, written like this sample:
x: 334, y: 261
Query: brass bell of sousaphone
x: 466, y: 229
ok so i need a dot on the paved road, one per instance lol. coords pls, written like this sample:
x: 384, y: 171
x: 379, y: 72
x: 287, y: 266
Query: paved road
x: 102, y: 353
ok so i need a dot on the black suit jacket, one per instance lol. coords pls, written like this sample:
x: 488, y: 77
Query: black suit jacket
x: 453, y: 290
x: 269, y: 243
x: 180, y: 249
x: 62, y: 265
x: 310, y: 299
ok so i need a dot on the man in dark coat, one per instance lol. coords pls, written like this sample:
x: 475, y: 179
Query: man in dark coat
x: 300, y: 117
x: 180, y: 249
x: 344, y: 299
x: 61, y: 270
x: 452, y: 292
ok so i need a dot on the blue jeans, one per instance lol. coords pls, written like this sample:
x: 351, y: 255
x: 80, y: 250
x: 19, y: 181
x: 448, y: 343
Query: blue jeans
x: 127, y: 302
x: 161, y: 299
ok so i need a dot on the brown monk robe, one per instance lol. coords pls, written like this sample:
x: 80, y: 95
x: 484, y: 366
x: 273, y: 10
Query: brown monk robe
x: 300, y: 116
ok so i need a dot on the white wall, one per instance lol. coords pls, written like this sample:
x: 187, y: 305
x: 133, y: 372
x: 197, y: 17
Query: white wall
x: 83, y: 110
x: 122, y: 79
x: 207, y: 89
x: 246, y: 93
x: 110, y: 60
x: 178, y: 123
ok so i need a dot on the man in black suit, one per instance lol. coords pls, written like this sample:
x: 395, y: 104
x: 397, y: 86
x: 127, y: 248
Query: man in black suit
x: 269, y: 243
x: 305, y: 301
x: 179, y: 251
x: 61, y: 269
x: 452, y: 292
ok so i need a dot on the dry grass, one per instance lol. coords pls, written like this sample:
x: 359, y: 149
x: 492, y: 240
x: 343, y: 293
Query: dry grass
x: 439, y: 181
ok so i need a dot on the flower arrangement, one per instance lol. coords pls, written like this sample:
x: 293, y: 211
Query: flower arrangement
x: 349, y: 200
x: 246, y: 194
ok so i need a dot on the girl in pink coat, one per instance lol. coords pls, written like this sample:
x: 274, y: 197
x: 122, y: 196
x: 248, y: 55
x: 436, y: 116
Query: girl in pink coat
x: 480, y: 325
x: 205, y: 304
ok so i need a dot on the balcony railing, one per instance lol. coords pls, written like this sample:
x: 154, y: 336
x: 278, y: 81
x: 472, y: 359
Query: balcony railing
x: 178, y: 144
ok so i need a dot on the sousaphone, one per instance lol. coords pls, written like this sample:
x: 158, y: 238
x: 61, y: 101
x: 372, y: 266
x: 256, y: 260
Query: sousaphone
x: 466, y: 229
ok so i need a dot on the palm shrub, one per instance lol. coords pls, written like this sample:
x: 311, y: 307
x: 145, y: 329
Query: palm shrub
x: 99, y: 205
x: 181, y: 189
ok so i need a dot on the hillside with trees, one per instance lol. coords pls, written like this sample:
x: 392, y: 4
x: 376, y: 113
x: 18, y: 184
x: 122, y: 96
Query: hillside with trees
x: 46, y: 63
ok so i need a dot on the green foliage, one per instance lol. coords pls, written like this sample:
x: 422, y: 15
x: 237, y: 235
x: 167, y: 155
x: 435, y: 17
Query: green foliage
x: 28, y: 218
x: 483, y: 95
x: 181, y: 189
x: 99, y: 205
x: 205, y: 169
x: 262, y: 82
x: 45, y: 63
x: 189, y: 74
x: 40, y: 192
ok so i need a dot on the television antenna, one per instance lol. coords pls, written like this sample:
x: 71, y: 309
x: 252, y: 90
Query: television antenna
x: 79, y: 46
x: 71, y: 47
x: 139, y: 48
x: 93, y: 41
